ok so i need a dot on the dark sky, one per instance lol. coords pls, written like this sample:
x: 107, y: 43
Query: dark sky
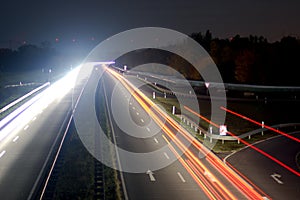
x: 35, y: 21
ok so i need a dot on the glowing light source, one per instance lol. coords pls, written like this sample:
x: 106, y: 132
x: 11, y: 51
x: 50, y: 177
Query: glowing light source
x: 25, y: 113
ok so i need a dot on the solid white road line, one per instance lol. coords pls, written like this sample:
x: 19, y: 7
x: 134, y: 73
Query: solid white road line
x: 181, y: 177
x: 156, y: 140
x: 2, y: 153
x: 166, y: 155
x: 26, y: 127
x: 16, y: 138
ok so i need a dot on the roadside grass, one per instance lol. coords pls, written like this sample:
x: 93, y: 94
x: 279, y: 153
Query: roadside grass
x: 75, y: 177
x: 14, y: 97
x: 218, y: 146
x: 230, y: 146
x: 76, y: 172
x: 10, y: 94
x: 112, y: 186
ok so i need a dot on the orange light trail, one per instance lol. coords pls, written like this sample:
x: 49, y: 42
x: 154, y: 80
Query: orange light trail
x: 260, y: 124
x: 190, y: 171
x: 249, y: 181
x: 249, y: 145
x: 193, y: 165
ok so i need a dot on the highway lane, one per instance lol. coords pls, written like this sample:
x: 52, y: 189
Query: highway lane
x: 26, y: 151
x: 172, y: 182
x: 27, y: 148
x: 260, y: 169
x: 211, y: 175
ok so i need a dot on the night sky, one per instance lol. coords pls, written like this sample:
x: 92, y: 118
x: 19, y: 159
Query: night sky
x: 67, y: 21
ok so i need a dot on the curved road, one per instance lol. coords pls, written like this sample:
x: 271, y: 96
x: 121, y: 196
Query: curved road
x: 272, y: 178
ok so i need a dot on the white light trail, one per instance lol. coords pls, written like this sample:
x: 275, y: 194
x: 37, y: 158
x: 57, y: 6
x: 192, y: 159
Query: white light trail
x: 25, y: 113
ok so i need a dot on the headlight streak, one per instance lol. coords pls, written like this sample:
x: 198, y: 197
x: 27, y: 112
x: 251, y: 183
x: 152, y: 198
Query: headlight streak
x: 228, y: 173
x: 15, y: 121
x: 23, y: 97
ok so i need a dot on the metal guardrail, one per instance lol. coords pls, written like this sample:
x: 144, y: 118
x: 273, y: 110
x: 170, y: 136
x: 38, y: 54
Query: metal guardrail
x: 24, y: 97
x: 227, y: 86
x: 212, y: 136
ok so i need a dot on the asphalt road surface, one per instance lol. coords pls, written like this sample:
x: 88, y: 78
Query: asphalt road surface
x: 28, y: 149
x: 274, y: 179
x: 24, y: 153
x: 170, y: 182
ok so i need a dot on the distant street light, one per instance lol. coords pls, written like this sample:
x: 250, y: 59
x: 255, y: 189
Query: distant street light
x: 49, y: 75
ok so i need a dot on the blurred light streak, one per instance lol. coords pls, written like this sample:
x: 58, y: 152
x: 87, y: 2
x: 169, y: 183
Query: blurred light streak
x: 231, y: 176
x: 260, y: 124
x: 23, y: 97
x: 26, y: 112
x: 248, y: 144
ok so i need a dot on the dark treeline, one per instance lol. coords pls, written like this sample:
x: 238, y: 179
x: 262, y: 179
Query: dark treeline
x: 251, y: 60
x: 41, y: 57
x: 28, y: 57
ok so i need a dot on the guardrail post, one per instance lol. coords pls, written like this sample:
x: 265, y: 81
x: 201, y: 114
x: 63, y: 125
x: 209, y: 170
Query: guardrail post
x: 191, y: 125
x: 196, y: 130
x: 238, y: 141
x: 200, y: 132
x: 187, y: 122
x: 262, y: 126
x: 204, y: 136
x: 210, y: 139
x: 173, y: 110
x: 153, y: 95
x: 165, y: 95
x: 249, y: 137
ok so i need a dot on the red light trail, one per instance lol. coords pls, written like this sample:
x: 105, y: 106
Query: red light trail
x: 209, y: 183
x: 248, y: 144
x: 260, y: 124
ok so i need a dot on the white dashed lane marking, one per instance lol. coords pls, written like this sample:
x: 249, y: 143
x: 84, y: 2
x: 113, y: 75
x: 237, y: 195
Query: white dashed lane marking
x: 16, y: 138
x: 2, y: 153
x: 181, y: 177
x: 26, y: 127
x: 166, y: 155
